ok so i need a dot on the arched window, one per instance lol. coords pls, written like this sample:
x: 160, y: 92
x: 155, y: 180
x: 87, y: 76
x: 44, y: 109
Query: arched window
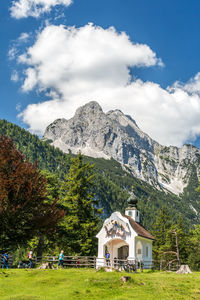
x: 147, y: 251
x: 139, y: 248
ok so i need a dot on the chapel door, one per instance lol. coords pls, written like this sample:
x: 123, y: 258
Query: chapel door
x: 123, y: 252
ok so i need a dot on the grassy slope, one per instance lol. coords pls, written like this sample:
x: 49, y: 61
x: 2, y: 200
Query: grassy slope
x: 88, y: 284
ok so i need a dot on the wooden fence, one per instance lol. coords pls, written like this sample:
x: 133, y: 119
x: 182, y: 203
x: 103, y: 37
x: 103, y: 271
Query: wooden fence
x: 69, y: 261
x: 91, y: 262
x: 169, y: 265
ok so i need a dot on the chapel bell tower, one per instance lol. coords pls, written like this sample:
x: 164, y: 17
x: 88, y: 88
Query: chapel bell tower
x: 132, y: 210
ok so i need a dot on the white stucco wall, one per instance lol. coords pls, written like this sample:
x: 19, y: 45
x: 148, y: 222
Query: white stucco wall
x: 114, y: 242
x: 128, y: 239
x: 143, y: 243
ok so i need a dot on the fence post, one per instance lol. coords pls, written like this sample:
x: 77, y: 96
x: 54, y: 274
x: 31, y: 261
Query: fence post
x: 160, y: 265
x: 141, y: 266
x: 152, y: 265
x: 136, y: 266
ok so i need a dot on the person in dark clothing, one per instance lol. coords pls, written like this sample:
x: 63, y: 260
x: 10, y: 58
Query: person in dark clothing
x: 5, y: 261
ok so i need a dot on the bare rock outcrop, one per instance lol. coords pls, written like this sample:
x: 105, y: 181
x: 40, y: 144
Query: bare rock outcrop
x: 114, y: 134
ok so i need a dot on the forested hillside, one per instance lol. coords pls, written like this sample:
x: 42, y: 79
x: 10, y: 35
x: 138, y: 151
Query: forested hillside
x: 112, y: 182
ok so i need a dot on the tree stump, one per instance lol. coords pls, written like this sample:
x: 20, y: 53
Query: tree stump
x: 184, y: 269
x: 125, y: 278
x: 108, y: 269
x: 47, y: 265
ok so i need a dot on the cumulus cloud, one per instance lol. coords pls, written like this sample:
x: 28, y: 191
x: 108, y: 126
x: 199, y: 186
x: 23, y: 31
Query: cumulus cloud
x: 69, y: 58
x: 34, y: 8
x: 77, y: 65
x: 193, y: 85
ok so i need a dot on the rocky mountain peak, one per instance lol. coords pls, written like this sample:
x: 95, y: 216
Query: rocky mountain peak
x: 114, y: 134
x: 91, y: 110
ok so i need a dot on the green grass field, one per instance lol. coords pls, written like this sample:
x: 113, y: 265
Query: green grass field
x: 88, y: 284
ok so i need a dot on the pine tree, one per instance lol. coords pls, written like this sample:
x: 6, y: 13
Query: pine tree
x: 171, y: 243
x: 194, y: 244
x: 160, y: 231
x: 53, y: 183
x: 194, y: 249
x: 80, y: 225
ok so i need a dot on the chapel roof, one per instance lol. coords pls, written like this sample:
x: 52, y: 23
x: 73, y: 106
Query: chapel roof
x: 139, y: 229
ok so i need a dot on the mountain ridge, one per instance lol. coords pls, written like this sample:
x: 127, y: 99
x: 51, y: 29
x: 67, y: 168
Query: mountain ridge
x: 114, y: 134
x: 112, y: 182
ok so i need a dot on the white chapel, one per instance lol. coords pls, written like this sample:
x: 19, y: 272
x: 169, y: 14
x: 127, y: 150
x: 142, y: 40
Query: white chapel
x: 123, y: 236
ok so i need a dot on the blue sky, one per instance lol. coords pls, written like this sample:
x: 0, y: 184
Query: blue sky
x: 150, y: 71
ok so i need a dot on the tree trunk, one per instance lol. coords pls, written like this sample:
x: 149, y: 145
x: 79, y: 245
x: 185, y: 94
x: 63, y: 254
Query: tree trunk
x: 177, y: 248
x: 40, y: 247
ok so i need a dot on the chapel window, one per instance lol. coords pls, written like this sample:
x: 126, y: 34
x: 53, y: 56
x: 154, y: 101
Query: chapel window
x: 147, y: 251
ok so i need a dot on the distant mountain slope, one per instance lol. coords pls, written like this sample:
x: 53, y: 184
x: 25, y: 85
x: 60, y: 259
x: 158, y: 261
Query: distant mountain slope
x: 116, y: 135
x: 112, y: 182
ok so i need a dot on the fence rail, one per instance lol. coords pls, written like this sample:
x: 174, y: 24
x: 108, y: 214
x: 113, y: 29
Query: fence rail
x: 94, y: 262
x: 69, y: 261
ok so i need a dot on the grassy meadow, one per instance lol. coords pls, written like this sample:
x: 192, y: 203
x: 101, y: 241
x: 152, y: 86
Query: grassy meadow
x: 89, y: 284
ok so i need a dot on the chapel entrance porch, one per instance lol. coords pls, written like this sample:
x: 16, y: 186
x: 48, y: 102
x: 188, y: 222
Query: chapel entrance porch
x: 118, y: 249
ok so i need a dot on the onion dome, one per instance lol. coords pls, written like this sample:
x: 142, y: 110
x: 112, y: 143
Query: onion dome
x: 132, y: 200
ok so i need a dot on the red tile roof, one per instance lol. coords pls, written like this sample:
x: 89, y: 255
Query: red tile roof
x: 139, y: 229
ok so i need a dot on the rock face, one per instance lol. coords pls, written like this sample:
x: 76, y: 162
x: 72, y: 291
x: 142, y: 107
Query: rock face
x: 116, y: 135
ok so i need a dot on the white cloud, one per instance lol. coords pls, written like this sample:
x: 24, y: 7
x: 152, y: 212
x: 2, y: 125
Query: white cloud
x: 24, y: 36
x: 15, y: 47
x: 34, y: 8
x: 12, y: 53
x: 15, y: 76
x: 18, y: 107
x: 92, y: 63
x: 69, y: 58
x: 192, y: 87
x: 31, y: 79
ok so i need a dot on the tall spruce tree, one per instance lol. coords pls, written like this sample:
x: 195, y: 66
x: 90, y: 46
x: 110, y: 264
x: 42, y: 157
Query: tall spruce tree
x: 160, y: 231
x: 194, y: 242
x: 80, y: 225
x: 47, y: 240
x: 171, y: 243
x: 194, y: 249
